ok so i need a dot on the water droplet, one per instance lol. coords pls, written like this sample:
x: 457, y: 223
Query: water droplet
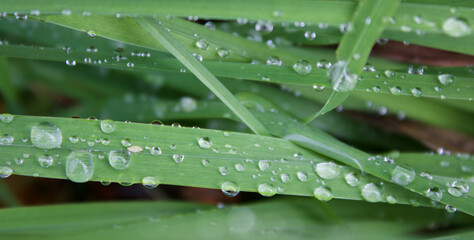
x: 239, y: 167
x: 230, y: 189
x: 119, y: 160
x: 155, y: 151
x: 45, y: 161
x: 318, y: 88
x: 458, y: 188
x: 264, y: 26
x: 46, y: 135
x: 309, y: 35
x: 107, y: 126
x: 202, y: 44
x: 341, y: 79
x: 389, y: 73
x: 324, y: 64
x: 222, y: 53
x: 6, y: 117
x: 126, y: 142
x: 205, y: 142
x: 264, y: 165
x: 188, y: 104
x: 73, y: 139
x: 456, y: 27
x: 5, y: 172
x: 285, y: 178
x: 71, y: 63
x: 396, y: 90
x: 391, y: 199
x: 416, y: 92
x: 323, y: 193
x: 150, y: 182
x: 450, y: 209
x: 302, y: 176
x: 274, y: 60
x: 372, y: 193
x: 434, y: 193
x: 302, y: 67
x: 403, y: 175
x: 224, y: 171
x: 352, y: 179
x: 328, y: 170
x: 92, y: 33
x: 79, y: 166
x: 178, y: 158
x: 266, y: 190
x: 446, y: 79
x: 6, y: 139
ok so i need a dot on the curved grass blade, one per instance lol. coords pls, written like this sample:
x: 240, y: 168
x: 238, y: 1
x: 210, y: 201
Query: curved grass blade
x: 182, y: 156
x: 368, y: 22
x: 162, y: 35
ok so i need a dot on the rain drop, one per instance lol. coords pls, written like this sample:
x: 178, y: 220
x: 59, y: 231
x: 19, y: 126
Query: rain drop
x: 5, y: 172
x: 205, y: 142
x: 150, y: 182
x: 341, y: 79
x: 79, y: 166
x: 107, y: 126
x: 46, y: 135
x: 45, y: 161
x: 6, y: 139
x: 446, y: 79
x: 323, y: 193
x: 119, y: 160
x: 352, y: 179
x: 230, y: 189
x: 403, y: 175
x: 266, y: 190
x: 6, y: 117
x: 302, y: 67
x: 328, y: 170
x: 434, y: 193
x: 372, y: 193
x: 456, y: 27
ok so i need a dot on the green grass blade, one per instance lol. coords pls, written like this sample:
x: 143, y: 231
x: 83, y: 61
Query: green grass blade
x: 8, y: 91
x: 162, y: 35
x: 368, y: 22
x: 246, y: 160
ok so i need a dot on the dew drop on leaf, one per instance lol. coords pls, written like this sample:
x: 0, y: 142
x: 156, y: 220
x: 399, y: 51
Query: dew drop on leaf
x: 230, y: 189
x: 302, y: 67
x: 285, y: 178
x: 6, y: 139
x: 150, y: 182
x: 264, y: 165
x: 458, y: 188
x: 79, y: 166
x: 266, y: 190
x: 302, y: 176
x: 352, y: 179
x: 456, y: 27
x: 323, y: 193
x: 434, y: 193
x: 178, y: 158
x: 446, y: 79
x: 205, y: 142
x: 328, y: 170
x: 45, y: 161
x: 6, y: 117
x: 403, y: 175
x: 5, y: 172
x: 107, y: 126
x: 372, y: 193
x: 188, y: 104
x: 119, y: 160
x: 46, y: 135
x: 274, y: 60
x: 341, y: 79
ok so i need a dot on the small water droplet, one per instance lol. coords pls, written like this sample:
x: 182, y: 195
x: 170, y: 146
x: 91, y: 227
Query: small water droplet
x: 323, y: 193
x: 416, y: 92
x: 178, y: 158
x: 458, y: 188
x: 264, y: 165
x: 396, y: 90
x: 71, y: 63
x: 205, y: 142
x: 391, y: 199
x: 285, y: 178
x: 155, y: 151
x: 264, y: 26
x: 202, y: 44
x: 328, y: 170
x: 446, y: 79
x: 341, y: 79
x: 239, y: 167
x: 302, y: 176
x: 45, y: 161
x: 223, y: 170
x: 434, y: 193
x: 150, y: 182
x: 403, y: 175
x: 372, y: 193
x: 5, y: 172
x: 46, y: 135
x: 230, y: 189
x: 107, y: 126
x: 79, y: 166
x: 352, y: 179
x: 266, y: 190
x: 274, y: 60
x: 188, y: 104
x: 6, y: 139
x: 119, y: 160
x: 302, y: 67
x: 205, y: 162
x: 6, y: 117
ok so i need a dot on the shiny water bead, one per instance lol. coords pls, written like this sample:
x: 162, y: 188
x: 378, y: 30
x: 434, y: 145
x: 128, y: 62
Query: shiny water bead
x: 309, y: 35
x: 328, y: 170
x: 205, y: 142
x: 202, y: 44
x: 6, y: 139
x: 223, y: 170
x: 434, y: 193
x: 5, y: 171
x: 6, y: 117
x: 396, y: 90
x: 178, y: 158
x: 372, y: 193
x: 264, y: 26
x: 274, y: 60
x: 323, y: 193
x: 150, y: 182
x: 188, y: 104
x: 266, y: 190
x: 458, y: 188
x: 126, y: 142
x: 230, y: 189
x: 389, y: 73
x: 264, y: 165
x: 155, y: 151
x: 285, y: 178
x: 45, y: 161
x: 391, y: 199
x: 107, y: 126
x: 341, y: 79
x: 302, y: 176
x: 71, y: 63
x: 456, y: 27
x: 119, y: 159
x: 324, y: 64
x: 79, y: 166
x: 403, y: 175
x: 239, y: 167
x: 352, y: 179
x: 446, y: 79
x: 302, y: 67
x: 46, y: 135
x: 416, y: 92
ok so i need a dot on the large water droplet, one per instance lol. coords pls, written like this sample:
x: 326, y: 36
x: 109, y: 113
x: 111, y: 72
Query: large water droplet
x: 79, y: 166
x: 150, y: 182
x: 302, y: 176
x: 5, y: 172
x: 264, y: 165
x: 6, y: 117
x: 396, y: 90
x: 341, y: 79
x: 107, y: 126
x: 456, y: 27
x: 230, y: 189
x: 205, y: 142
x: 45, y: 161
x: 328, y: 170
x: 6, y: 139
x: 285, y: 178
x: 46, y: 135
x: 119, y: 159
x: 458, y: 188
x: 323, y: 193
x: 266, y: 190
x: 403, y: 175
x: 302, y: 67
x: 352, y: 179
x: 434, y: 193
x: 372, y: 193
x: 446, y: 79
